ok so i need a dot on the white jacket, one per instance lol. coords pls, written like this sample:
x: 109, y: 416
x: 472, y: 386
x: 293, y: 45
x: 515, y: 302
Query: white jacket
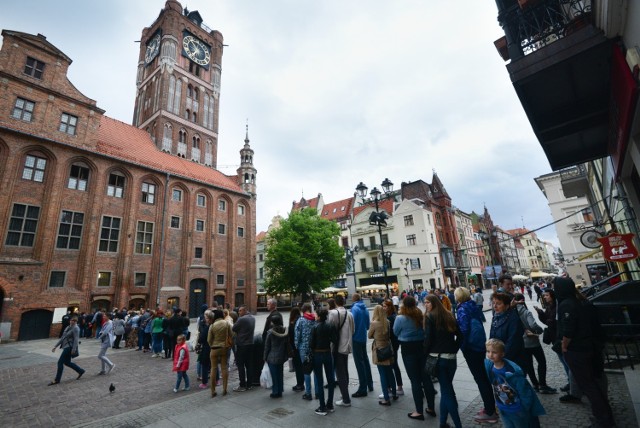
x: 341, y: 317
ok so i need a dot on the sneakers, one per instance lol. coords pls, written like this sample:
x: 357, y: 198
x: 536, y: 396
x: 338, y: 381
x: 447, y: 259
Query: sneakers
x: 341, y: 403
x: 307, y: 397
x: 175, y: 390
x: 298, y: 388
x: 154, y: 355
x: 203, y: 386
x: 239, y: 389
x: 399, y: 391
x: 548, y: 390
x: 359, y: 394
x: 186, y: 388
x: 218, y: 382
x: 572, y: 399
x: 320, y: 411
x: 482, y: 417
x: 330, y: 409
x: 565, y: 388
x: 111, y: 369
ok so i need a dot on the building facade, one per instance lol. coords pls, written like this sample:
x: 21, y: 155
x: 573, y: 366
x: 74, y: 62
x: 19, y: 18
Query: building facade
x: 97, y: 215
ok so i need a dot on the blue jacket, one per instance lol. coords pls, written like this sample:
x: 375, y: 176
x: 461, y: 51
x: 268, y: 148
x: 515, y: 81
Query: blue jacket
x: 361, y: 321
x: 508, y: 328
x: 465, y: 312
x: 516, y: 380
x: 302, y: 337
x: 407, y: 331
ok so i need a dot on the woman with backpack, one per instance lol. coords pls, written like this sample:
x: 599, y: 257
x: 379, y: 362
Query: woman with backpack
x: 473, y: 350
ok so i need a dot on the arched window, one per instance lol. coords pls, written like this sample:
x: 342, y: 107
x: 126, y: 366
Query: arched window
x: 190, y: 91
x: 167, y: 138
x: 205, y: 116
x: 178, y: 95
x: 78, y: 176
x: 172, y: 93
x: 196, y: 142
x: 183, y: 136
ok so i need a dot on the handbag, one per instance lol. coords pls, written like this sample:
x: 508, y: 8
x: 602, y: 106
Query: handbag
x: 75, y: 354
x: 431, y: 365
x: 229, y: 341
x: 385, y: 353
x: 546, y: 336
x: 307, y: 364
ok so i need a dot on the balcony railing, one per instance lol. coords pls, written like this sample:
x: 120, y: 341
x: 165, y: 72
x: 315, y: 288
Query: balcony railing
x: 533, y: 24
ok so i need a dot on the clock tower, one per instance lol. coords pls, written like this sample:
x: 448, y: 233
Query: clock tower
x: 178, y: 84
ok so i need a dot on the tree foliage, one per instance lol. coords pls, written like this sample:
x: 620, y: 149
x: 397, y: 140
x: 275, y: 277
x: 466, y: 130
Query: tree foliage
x: 303, y: 254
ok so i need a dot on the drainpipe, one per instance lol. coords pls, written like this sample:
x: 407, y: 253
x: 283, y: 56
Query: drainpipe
x: 162, y: 235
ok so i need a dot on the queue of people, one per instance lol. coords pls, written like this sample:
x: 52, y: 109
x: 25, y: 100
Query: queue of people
x: 319, y: 345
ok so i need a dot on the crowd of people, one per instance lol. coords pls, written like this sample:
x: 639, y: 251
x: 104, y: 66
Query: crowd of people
x: 319, y: 344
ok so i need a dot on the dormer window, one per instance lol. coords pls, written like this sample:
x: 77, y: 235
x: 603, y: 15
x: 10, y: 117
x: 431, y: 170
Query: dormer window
x: 34, y: 68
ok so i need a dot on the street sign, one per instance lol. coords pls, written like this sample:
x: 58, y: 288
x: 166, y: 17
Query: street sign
x: 618, y: 247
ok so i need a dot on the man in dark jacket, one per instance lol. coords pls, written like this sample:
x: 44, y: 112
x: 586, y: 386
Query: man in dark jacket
x: 272, y: 307
x: 580, y: 333
x: 244, y: 329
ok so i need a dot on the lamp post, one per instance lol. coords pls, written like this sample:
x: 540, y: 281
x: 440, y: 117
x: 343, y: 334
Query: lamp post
x: 378, y: 218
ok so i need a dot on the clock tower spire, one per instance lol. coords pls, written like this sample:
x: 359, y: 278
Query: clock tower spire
x: 178, y: 84
x: 247, y: 172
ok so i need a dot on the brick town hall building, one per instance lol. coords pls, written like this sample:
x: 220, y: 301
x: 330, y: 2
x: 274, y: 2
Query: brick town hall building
x: 96, y: 213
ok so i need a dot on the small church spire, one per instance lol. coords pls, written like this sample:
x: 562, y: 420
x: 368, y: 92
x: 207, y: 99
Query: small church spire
x: 246, y: 137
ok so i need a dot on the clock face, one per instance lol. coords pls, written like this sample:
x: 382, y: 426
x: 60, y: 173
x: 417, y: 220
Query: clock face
x: 196, y: 50
x: 153, y: 47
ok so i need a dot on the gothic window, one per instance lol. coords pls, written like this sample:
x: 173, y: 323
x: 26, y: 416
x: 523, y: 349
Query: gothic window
x: 34, y: 168
x: 196, y: 142
x: 178, y: 95
x: 172, y: 93
x: 211, y: 110
x: 167, y: 138
x: 115, y: 187
x: 190, y: 91
x: 78, y: 177
x: 205, y: 117
x: 208, y: 155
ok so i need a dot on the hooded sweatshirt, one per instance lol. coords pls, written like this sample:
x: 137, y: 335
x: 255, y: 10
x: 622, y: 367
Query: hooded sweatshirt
x: 276, y: 346
x: 577, y: 319
x: 361, y: 321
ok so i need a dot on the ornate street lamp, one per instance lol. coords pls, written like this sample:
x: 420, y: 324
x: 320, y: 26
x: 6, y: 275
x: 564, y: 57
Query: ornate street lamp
x: 378, y: 218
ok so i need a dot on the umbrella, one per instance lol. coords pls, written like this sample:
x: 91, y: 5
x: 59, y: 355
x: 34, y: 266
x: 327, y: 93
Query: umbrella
x: 519, y: 277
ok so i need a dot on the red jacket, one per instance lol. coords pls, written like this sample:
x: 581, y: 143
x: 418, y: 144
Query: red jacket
x: 178, y: 365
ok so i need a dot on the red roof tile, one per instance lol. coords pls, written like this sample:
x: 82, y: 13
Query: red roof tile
x: 337, y: 210
x: 386, y: 205
x: 130, y: 144
x: 260, y: 236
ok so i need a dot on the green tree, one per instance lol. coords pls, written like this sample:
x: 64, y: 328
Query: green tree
x: 303, y: 254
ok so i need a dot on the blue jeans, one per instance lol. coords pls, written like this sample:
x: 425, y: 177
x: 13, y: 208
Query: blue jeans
x: 448, y: 402
x: 320, y: 360
x: 157, y: 342
x: 277, y: 377
x: 387, y: 381
x: 414, y: 358
x: 65, y: 360
x: 307, y: 380
x: 361, y: 360
x: 140, y: 338
x: 182, y: 375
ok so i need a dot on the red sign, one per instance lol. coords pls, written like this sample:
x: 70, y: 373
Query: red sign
x: 618, y: 247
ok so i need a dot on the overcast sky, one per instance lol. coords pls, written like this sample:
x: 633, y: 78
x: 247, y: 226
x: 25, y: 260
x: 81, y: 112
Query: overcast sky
x: 336, y: 92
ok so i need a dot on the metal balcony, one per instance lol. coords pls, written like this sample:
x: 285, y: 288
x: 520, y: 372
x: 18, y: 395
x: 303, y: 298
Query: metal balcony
x: 561, y: 70
x: 575, y: 181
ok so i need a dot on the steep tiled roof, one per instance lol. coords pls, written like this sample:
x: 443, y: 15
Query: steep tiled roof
x: 304, y: 203
x: 386, y: 205
x: 125, y: 142
x: 260, y: 236
x: 337, y: 210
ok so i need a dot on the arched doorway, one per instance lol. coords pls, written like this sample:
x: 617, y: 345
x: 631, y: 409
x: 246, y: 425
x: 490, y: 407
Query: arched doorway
x: 35, y: 324
x: 137, y: 304
x: 197, y: 296
x: 100, y: 304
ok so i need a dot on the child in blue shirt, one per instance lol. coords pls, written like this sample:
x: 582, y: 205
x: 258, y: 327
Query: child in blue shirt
x: 516, y: 400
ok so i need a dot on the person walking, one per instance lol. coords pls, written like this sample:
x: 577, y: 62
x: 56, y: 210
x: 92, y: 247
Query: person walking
x: 276, y: 352
x: 342, y: 320
x: 507, y: 327
x: 474, y: 352
x: 118, y: 330
x: 181, y: 363
x: 410, y: 331
x: 380, y: 333
x: 69, y: 344
x: 204, y: 324
x: 442, y: 339
x: 244, y: 329
x: 105, y: 343
x: 359, y: 343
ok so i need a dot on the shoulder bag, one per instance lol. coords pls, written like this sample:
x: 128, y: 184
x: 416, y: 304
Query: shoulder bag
x: 385, y: 353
